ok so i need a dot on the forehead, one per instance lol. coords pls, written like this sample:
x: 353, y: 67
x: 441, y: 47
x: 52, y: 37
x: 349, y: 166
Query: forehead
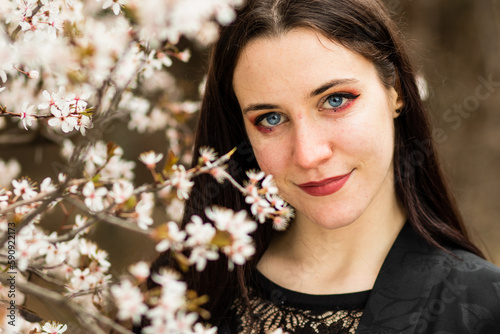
x: 298, y: 61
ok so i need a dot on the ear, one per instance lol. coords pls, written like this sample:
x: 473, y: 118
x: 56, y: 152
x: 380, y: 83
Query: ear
x: 396, y: 102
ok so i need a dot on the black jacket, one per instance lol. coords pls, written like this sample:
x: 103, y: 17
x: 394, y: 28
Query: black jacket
x: 422, y: 289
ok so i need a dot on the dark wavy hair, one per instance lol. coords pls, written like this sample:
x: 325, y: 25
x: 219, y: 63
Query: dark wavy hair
x: 364, y: 27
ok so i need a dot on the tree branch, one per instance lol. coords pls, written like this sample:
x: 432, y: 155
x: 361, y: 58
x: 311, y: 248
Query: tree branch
x: 29, y: 217
x: 109, y: 219
x: 75, y: 309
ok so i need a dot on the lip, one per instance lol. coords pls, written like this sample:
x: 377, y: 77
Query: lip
x: 325, y: 187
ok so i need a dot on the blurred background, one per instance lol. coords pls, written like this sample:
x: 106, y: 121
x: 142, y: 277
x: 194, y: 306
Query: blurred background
x: 456, y: 47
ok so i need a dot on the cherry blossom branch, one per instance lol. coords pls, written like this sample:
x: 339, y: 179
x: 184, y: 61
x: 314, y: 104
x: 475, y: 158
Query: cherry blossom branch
x: 101, y: 182
x: 54, y: 297
x: 76, y: 310
x: 18, y: 29
x: 5, y: 113
x: 73, y: 233
x: 32, y: 215
x: 109, y: 80
x: 44, y: 277
x: 235, y: 184
x: 35, y: 199
x: 108, y: 218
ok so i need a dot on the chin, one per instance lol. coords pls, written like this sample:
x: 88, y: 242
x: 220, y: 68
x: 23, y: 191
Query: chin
x: 335, y: 224
x: 333, y: 219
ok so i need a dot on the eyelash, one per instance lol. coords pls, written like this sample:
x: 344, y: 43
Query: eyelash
x: 262, y: 117
x: 348, y: 96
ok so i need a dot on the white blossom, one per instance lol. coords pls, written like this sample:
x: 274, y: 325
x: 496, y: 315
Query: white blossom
x: 150, y: 159
x: 27, y: 115
x: 144, y: 210
x: 174, y: 239
x: 181, y: 181
x: 47, y: 186
x: 207, y: 155
x: 122, y: 191
x: 139, y: 270
x: 24, y: 188
x: 200, y: 254
x: 199, y: 233
x: 175, y: 209
x: 200, y: 329
x: 255, y: 176
x: 129, y: 301
x: 62, y: 118
x: 172, y: 297
x: 54, y: 328
x: 114, y: 4
x: 94, y: 198
x: 56, y: 254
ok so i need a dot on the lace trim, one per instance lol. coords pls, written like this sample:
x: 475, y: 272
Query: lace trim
x: 265, y: 317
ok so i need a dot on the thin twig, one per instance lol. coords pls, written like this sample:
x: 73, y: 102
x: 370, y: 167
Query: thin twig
x: 18, y: 29
x: 32, y: 215
x: 109, y: 219
x: 35, y: 199
x: 73, y: 233
x: 13, y: 114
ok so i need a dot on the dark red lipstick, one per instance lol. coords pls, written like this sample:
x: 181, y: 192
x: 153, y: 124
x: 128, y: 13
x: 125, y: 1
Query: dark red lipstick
x: 325, y: 187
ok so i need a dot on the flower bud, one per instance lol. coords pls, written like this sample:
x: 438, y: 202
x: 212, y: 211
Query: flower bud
x: 33, y: 74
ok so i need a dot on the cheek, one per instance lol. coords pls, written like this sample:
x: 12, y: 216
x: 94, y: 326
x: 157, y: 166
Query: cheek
x: 271, y: 161
x: 371, y: 140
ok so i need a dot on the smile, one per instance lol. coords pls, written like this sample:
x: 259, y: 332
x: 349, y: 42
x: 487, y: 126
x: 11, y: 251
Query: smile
x: 325, y: 187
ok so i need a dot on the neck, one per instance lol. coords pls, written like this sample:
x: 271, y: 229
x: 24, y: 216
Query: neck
x: 310, y: 259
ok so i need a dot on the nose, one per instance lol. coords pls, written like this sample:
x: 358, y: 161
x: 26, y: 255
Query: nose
x: 312, y: 146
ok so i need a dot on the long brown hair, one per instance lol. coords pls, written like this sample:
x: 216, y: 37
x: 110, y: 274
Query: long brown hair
x: 363, y: 26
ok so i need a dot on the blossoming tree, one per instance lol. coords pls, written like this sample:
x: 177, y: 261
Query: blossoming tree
x: 68, y: 68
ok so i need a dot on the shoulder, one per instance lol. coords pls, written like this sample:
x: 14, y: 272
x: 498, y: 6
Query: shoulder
x: 463, y: 294
x: 472, y: 268
x: 424, y: 289
x: 469, y: 276
x: 415, y: 256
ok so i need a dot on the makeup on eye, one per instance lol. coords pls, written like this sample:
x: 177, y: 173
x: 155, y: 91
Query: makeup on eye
x: 269, y: 120
x: 337, y: 101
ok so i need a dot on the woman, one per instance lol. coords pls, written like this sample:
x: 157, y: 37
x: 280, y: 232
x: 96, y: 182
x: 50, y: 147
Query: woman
x: 321, y: 94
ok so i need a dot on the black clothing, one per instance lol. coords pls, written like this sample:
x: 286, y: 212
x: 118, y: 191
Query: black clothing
x: 274, y: 307
x: 422, y: 289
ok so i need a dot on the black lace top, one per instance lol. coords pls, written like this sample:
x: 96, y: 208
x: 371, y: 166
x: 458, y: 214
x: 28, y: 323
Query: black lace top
x: 273, y: 307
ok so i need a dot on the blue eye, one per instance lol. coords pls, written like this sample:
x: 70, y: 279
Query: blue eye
x: 273, y: 119
x: 269, y: 120
x: 337, y: 101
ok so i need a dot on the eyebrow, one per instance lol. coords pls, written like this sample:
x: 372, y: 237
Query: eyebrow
x: 323, y: 88
x: 330, y: 84
x: 259, y: 106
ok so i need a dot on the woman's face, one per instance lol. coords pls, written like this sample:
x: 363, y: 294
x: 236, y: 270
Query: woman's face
x: 321, y: 121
